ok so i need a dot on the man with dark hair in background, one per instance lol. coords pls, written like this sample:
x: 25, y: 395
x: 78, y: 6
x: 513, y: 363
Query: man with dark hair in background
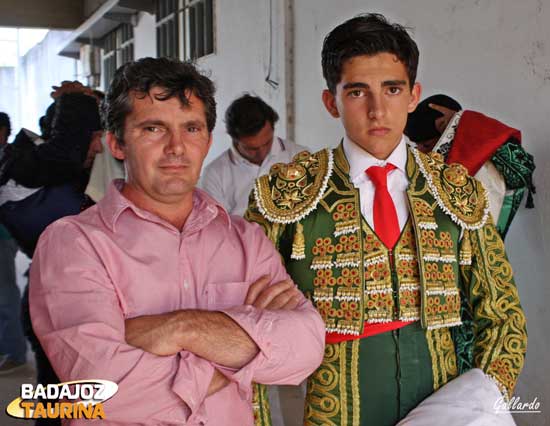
x: 395, y: 249
x: 490, y: 150
x: 250, y: 123
x: 12, y: 341
x: 178, y: 303
x: 45, y: 178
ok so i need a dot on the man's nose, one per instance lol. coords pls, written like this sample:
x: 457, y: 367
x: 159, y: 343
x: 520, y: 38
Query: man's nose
x: 376, y: 109
x: 175, y: 144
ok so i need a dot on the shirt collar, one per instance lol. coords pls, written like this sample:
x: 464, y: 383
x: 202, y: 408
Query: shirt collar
x: 205, y: 209
x: 360, y: 160
x: 277, y: 147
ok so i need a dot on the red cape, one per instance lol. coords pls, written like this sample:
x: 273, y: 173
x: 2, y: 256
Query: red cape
x: 477, y: 138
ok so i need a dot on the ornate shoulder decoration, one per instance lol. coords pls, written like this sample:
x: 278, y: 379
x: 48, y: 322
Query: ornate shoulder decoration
x: 291, y: 191
x: 459, y: 195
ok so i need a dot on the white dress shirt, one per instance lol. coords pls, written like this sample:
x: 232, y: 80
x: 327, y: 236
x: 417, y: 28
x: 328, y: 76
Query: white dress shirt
x: 230, y: 177
x: 360, y: 160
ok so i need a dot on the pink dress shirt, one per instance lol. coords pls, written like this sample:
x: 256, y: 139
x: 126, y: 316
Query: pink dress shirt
x: 115, y: 261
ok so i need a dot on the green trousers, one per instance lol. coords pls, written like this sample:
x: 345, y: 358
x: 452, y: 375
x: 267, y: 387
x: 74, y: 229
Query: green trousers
x: 395, y: 375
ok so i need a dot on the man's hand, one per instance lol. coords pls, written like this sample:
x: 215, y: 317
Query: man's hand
x: 154, y: 333
x: 442, y: 122
x: 70, y: 87
x: 281, y: 295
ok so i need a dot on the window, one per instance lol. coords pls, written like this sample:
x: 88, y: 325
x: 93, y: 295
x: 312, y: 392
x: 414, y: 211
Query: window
x: 118, y: 48
x: 185, y: 28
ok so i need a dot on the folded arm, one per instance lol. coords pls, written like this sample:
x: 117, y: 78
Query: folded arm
x: 88, y: 340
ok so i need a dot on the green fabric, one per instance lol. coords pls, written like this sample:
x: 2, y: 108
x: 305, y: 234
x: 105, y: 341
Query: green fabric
x: 4, y: 234
x: 516, y: 166
x: 394, y: 374
x: 509, y: 209
x: 463, y: 337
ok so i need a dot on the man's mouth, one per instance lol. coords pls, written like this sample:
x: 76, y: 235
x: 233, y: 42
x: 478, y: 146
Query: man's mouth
x: 379, y: 131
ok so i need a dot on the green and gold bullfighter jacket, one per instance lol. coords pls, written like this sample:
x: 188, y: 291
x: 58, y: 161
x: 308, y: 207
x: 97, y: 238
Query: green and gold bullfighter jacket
x: 448, y: 272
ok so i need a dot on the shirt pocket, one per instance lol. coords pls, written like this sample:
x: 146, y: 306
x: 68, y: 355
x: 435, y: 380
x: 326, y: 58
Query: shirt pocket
x: 227, y: 295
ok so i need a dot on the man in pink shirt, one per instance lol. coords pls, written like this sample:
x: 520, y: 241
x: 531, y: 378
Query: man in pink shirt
x: 156, y: 287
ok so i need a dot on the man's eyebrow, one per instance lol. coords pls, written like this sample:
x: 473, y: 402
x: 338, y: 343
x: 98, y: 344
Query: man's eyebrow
x: 150, y: 122
x: 359, y: 85
x: 394, y: 83
x: 355, y: 85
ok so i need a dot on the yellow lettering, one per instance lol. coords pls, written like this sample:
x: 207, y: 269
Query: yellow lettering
x: 40, y: 411
x: 66, y: 410
x: 98, y: 411
x: 27, y: 406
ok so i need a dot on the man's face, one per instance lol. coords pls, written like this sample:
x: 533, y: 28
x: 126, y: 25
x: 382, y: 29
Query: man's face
x: 255, y: 148
x: 373, y: 99
x: 165, y: 144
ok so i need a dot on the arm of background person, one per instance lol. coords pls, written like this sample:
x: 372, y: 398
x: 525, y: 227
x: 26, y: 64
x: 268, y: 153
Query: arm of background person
x: 77, y: 315
x: 60, y: 158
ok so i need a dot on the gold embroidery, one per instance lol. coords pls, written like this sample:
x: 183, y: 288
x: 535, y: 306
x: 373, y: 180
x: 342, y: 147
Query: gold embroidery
x: 442, y: 352
x: 291, y: 191
x: 457, y: 194
x: 501, y: 339
x: 333, y: 392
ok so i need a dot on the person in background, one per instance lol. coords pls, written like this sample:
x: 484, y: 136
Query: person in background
x: 250, y: 122
x: 45, y: 178
x: 490, y: 150
x: 12, y: 340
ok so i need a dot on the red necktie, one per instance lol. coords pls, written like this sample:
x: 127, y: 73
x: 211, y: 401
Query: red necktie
x: 386, y: 224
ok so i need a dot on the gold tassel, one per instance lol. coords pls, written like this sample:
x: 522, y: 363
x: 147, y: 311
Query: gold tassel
x: 466, y: 249
x: 299, y: 243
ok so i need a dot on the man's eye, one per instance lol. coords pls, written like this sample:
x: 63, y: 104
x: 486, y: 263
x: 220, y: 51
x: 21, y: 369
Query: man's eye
x: 193, y: 129
x: 152, y: 129
x: 394, y: 90
x: 355, y: 93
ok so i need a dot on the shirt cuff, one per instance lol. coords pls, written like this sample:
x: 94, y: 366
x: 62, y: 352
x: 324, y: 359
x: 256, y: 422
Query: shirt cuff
x: 191, y: 384
x: 259, y: 325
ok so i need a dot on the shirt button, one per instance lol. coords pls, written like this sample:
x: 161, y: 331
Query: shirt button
x: 186, y: 285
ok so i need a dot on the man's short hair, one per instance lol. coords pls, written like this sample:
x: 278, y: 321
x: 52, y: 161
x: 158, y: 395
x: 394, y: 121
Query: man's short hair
x: 247, y: 115
x: 368, y: 34
x: 5, y: 122
x: 177, y: 78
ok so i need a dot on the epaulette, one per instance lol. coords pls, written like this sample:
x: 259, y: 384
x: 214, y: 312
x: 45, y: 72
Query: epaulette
x: 459, y: 195
x: 291, y: 191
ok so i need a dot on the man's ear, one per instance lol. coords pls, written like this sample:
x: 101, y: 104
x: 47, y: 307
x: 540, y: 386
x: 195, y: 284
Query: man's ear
x: 416, y: 91
x: 329, y: 100
x: 114, y: 146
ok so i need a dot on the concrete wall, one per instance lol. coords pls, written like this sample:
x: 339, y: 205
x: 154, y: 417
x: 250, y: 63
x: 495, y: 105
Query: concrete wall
x: 494, y: 57
x: 241, y: 59
x: 8, y: 96
x: 38, y: 70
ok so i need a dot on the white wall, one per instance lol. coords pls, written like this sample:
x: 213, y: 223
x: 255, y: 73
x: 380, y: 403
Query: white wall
x: 494, y: 57
x: 145, y: 43
x: 38, y: 70
x: 241, y: 59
